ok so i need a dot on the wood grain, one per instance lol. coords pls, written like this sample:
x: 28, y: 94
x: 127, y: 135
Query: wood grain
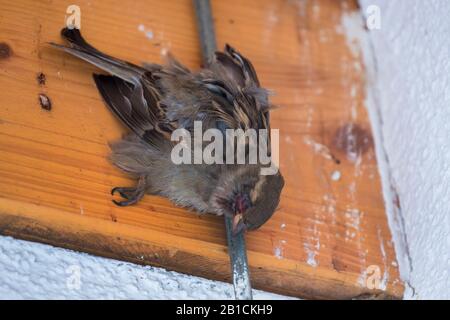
x: 55, y: 179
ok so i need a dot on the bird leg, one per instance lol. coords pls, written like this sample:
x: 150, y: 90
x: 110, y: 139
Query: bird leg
x: 131, y: 194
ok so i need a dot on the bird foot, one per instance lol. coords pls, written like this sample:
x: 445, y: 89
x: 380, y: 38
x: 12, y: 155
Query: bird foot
x: 130, y: 194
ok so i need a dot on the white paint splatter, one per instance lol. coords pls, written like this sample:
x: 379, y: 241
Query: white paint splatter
x: 311, y: 259
x: 147, y: 32
x: 318, y: 148
x: 312, y: 247
x: 384, y: 280
x: 362, y: 279
x: 329, y: 205
x: 352, y: 191
x: 353, y: 219
x: 288, y: 139
x: 278, y: 251
x: 336, y: 175
x: 164, y: 51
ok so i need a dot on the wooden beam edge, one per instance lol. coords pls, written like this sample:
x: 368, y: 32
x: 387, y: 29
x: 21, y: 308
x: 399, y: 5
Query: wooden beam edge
x: 37, y: 223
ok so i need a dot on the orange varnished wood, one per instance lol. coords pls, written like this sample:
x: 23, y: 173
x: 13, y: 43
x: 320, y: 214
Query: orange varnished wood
x: 55, y: 179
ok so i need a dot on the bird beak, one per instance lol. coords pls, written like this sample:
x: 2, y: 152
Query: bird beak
x: 238, y: 224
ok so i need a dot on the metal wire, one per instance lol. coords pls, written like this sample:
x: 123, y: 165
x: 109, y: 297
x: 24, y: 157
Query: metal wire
x: 236, y: 243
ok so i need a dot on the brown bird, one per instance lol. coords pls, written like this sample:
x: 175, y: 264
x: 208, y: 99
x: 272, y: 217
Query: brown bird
x: 153, y: 101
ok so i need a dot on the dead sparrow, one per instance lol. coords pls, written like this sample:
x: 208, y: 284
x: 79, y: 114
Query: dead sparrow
x: 153, y: 101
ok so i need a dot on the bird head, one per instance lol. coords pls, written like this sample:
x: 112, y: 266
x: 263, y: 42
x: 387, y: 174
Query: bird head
x: 247, y: 197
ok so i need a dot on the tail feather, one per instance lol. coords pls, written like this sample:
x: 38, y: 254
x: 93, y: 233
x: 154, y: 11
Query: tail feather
x: 131, y: 98
x: 83, y: 50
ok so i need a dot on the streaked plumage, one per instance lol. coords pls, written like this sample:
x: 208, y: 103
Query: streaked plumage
x: 154, y: 100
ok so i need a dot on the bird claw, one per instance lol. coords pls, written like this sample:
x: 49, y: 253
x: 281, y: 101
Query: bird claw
x: 124, y: 203
x: 124, y: 192
x: 132, y: 195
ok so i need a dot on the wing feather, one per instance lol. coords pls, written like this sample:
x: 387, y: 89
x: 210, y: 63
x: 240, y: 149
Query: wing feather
x: 154, y: 100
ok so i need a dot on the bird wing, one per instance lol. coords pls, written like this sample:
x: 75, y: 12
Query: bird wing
x: 129, y: 91
x: 237, y: 75
x: 153, y: 100
x: 225, y: 95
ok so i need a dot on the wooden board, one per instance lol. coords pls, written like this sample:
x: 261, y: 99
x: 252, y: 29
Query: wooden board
x: 330, y: 234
